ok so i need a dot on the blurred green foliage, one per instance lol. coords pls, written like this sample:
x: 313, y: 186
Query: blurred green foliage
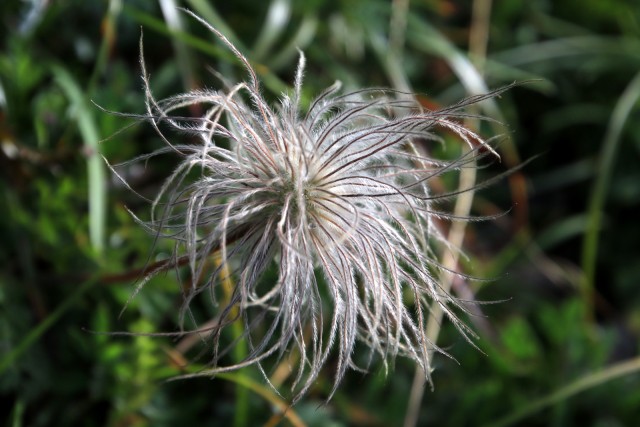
x: 70, y: 250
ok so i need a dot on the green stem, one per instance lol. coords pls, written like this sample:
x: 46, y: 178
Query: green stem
x: 268, y: 78
x: 610, y: 147
x: 97, y: 188
x: 35, y: 333
x: 89, y: 129
x: 449, y: 259
x: 249, y: 384
x: 241, y: 416
x: 584, y: 383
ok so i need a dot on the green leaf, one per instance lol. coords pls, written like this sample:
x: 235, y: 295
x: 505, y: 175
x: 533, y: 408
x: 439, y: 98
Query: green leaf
x: 82, y: 112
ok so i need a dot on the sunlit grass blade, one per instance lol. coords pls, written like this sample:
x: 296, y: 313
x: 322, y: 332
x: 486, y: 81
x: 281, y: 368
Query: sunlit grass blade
x: 83, y: 114
x: 173, y: 19
x: 301, y: 39
x: 424, y: 37
x: 428, y: 39
x: 161, y: 27
x: 273, y: 26
x: 270, y: 80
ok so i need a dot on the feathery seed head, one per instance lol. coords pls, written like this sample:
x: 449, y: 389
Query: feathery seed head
x: 336, y: 197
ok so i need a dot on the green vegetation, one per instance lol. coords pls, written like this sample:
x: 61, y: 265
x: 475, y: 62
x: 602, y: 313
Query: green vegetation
x: 559, y: 333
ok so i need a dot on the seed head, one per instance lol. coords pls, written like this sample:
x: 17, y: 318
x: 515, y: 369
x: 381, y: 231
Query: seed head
x: 337, y: 197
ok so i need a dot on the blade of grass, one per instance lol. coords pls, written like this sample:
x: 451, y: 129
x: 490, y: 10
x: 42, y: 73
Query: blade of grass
x: 299, y: 40
x: 240, y: 350
x: 205, y: 9
x: 171, y: 15
x: 43, y: 326
x: 79, y: 101
x: 246, y: 382
x: 274, y: 25
x: 108, y: 29
x: 267, y: 394
x: 159, y: 26
x: 18, y: 412
x: 83, y: 114
x: 553, y: 50
x: 395, y: 51
x: 578, y: 386
x: 270, y: 80
x: 610, y: 145
x: 426, y: 38
x: 472, y: 78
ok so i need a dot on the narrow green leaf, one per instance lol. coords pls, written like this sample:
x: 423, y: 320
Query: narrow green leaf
x: 43, y: 326
x: 610, y: 146
x: 273, y: 26
x: 83, y: 113
x: 172, y: 16
x: 580, y: 385
x: 270, y: 80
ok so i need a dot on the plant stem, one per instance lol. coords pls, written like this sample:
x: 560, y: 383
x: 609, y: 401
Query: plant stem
x: 580, y: 385
x: 449, y: 258
x: 240, y: 350
x: 43, y: 326
x: 607, y: 157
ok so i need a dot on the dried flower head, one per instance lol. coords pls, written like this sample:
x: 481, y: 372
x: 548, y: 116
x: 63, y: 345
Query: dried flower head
x: 337, y: 197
